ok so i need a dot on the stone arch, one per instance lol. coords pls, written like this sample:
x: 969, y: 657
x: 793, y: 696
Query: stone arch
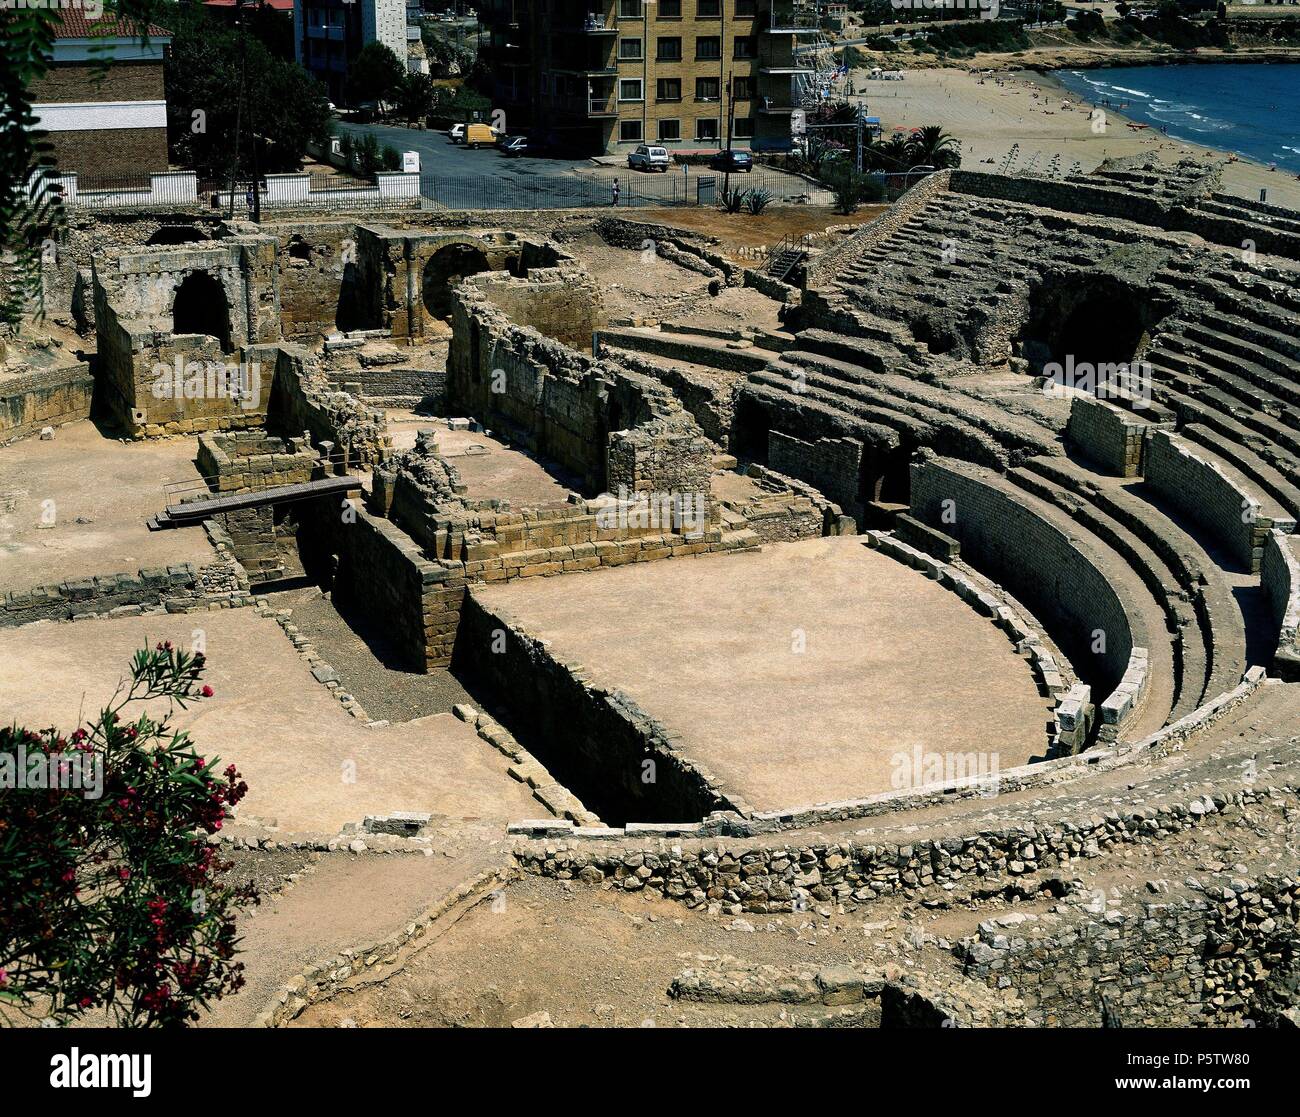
x: 1091, y: 319
x: 444, y: 269
x: 201, y: 307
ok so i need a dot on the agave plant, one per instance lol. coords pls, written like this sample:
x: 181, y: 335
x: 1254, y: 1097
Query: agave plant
x: 732, y: 199
x: 757, y: 200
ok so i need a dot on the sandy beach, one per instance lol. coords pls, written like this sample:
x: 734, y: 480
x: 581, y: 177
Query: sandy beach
x: 1033, y: 111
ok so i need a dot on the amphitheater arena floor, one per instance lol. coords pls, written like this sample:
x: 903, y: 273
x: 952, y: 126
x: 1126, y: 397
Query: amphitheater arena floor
x: 310, y: 766
x: 890, y: 662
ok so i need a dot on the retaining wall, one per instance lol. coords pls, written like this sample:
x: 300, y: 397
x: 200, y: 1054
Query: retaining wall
x: 45, y: 398
x: 1202, y: 491
x: 1280, y: 577
x: 1058, y: 574
x: 618, y: 760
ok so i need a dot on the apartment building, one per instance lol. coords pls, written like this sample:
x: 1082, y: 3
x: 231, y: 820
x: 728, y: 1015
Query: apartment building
x: 114, y: 126
x: 606, y: 75
x: 329, y: 34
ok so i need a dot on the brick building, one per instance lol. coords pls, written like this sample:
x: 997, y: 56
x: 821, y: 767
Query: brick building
x: 605, y: 75
x: 329, y: 34
x: 108, y: 126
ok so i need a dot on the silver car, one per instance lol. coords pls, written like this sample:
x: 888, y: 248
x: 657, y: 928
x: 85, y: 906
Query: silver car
x: 646, y: 158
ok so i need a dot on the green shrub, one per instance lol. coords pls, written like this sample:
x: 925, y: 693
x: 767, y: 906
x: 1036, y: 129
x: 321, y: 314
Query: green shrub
x: 757, y: 200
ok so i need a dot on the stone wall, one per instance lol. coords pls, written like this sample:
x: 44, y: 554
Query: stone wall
x: 1203, y: 959
x: 735, y: 876
x: 313, y: 259
x: 38, y: 398
x: 563, y: 302
x: 822, y: 268
x: 581, y: 413
x: 833, y: 465
x: 1110, y: 436
x: 380, y: 577
x: 173, y: 588
x: 1057, y: 574
x: 1202, y: 491
x: 1280, y: 577
x: 616, y: 759
x: 303, y: 400
x: 244, y: 461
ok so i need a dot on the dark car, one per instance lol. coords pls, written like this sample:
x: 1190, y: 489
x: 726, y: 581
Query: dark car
x: 514, y: 145
x: 732, y: 161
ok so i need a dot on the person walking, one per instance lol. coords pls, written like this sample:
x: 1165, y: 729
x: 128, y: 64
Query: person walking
x: 613, y: 190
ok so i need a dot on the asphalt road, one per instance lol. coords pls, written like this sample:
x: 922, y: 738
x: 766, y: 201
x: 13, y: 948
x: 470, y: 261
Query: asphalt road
x: 460, y: 178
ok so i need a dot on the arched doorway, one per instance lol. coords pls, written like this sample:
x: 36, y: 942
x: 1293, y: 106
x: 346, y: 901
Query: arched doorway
x: 201, y: 308
x: 445, y: 268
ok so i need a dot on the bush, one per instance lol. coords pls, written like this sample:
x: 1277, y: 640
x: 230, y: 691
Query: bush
x: 852, y: 189
x: 368, y: 156
x: 390, y: 159
x: 757, y: 200
x: 731, y: 200
x: 113, y: 898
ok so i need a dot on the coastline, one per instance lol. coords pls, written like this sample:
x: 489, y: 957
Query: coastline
x: 1032, y: 110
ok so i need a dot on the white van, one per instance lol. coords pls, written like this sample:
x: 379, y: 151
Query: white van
x: 646, y: 158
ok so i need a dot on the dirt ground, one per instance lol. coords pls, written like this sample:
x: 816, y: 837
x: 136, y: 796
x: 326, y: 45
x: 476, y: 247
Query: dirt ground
x: 738, y: 230
x: 77, y: 505
x: 798, y: 675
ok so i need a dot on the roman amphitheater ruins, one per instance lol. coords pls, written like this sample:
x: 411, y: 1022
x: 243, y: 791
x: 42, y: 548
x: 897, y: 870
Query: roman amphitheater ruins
x: 611, y: 632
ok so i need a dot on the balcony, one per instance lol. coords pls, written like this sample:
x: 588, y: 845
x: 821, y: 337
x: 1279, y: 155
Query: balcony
x: 787, y: 20
x: 602, y: 106
x: 774, y: 106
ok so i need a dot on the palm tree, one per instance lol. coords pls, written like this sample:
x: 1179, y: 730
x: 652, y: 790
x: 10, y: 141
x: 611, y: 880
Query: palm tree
x: 932, y: 146
x: 892, y: 154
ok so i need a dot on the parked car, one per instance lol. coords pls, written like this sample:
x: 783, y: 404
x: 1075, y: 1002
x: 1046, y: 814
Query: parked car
x: 732, y: 161
x: 480, y: 135
x: 922, y: 169
x: 513, y: 145
x: 646, y: 158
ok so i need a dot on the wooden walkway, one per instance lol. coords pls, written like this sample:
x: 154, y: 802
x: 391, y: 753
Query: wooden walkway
x: 195, y: 511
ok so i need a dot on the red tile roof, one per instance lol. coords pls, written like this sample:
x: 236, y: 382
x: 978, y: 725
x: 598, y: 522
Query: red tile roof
x: 73, y: 23
x: 277, y: 5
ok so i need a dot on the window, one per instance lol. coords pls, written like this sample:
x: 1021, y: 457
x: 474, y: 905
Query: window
x: 742, y: 89
x: 706, y: 129
x: 629, y: 89
x: 706, y: 9
x: 745, y: 8
x: 707, y: 89
x: 629, y: 9
x: 746, y: 46
x: 708, y: 47
x: 629, y: 130
x: 629, y: 50
x: 742, y: 128
x: 670, y: 130
x: 668, y: 89
x: 669, y: 9
x: 670, y: 49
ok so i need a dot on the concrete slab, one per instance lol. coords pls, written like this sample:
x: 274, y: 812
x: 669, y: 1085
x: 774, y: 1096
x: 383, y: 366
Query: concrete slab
x: 310, y: 766
x: 98, y: 492
x: 796, y: 675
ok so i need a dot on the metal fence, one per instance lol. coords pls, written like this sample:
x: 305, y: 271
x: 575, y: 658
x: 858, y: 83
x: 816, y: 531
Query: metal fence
x: 635, y: 188
x: 396, y: 190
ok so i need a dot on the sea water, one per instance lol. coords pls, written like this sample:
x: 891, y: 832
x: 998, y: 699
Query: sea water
x: 1250, y: 108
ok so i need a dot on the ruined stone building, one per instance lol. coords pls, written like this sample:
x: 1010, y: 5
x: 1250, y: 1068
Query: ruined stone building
x: 939, y: 605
